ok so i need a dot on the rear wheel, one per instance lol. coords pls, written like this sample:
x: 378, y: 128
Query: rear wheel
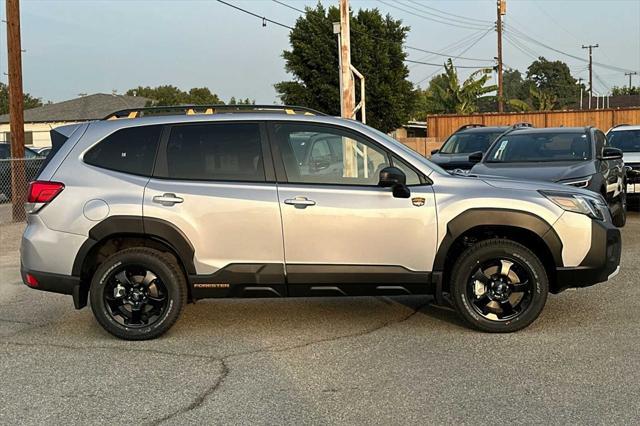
x: 499, y: 286
x: 138, y: 293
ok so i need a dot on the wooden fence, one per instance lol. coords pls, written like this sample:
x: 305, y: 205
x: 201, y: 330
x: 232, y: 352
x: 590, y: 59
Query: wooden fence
x: 422, y: 146
x: 439, y: 127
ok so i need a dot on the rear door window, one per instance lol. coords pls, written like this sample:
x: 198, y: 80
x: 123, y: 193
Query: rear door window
x: 131, y: 150
x: 216, y: 151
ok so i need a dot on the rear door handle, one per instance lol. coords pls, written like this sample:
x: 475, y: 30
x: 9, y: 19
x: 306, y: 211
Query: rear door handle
x: 168, y: 199
x: 300, y: 202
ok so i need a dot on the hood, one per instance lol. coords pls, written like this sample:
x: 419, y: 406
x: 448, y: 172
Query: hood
x: 528, y: 185
x: 541, y: 171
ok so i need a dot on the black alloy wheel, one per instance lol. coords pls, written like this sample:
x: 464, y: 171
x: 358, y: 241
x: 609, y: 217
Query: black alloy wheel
x: 500, y: 289
x: 134, y: 296
x: 498, y: 285
x: 138, y: 293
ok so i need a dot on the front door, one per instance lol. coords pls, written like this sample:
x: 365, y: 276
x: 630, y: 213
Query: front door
x: 341, y: 229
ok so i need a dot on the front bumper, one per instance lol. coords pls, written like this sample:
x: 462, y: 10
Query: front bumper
x: 601, y: 262
x: 633, y: 180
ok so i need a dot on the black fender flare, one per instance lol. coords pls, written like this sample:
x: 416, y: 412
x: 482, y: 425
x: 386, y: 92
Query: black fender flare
x: 148, y: 227
x: 478, y: 217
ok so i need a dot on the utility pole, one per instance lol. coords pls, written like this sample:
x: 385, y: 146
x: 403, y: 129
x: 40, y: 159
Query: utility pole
x: 347, y: 87
x: 501, y: 10
x: 630, y: 74
x: 581, y: 90
x: 590, y: 47
x: 16, y: 109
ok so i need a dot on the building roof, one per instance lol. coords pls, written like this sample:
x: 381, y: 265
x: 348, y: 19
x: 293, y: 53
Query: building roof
x: 84, y: 108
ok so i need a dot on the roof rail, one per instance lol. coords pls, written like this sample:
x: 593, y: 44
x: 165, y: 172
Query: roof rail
x: 618, y: 125
x: 208, y: 109
x: 470, y: 126
x: 521, y: 124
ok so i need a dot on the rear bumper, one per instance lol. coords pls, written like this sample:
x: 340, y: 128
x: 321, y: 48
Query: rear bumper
x: 56, y: 283
x: 601, y: 263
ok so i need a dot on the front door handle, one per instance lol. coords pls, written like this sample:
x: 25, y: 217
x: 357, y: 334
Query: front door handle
x: 168, y: 199
x: 300, y: 202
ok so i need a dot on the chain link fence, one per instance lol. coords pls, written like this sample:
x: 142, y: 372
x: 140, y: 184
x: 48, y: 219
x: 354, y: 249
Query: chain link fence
x: 15, y: 175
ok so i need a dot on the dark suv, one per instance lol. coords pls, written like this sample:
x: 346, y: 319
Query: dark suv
x: 575, y: 156
x: 467, y: 140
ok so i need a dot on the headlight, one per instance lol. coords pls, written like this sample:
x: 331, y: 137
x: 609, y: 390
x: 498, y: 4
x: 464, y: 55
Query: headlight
x: 591, y: 206
x: 578, y: 183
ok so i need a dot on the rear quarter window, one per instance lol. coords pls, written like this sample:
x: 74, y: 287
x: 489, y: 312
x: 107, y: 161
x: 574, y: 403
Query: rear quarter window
x: 131, y: 150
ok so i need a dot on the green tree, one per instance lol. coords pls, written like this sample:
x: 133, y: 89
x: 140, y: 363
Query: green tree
x: 446, y: 94
x: 625, y: 90
x: 376, y: 51
x: 171, y: 95
x: 538, y: 100
x: 240, y: 101
x: 29, y: 101
x: 553, y: 80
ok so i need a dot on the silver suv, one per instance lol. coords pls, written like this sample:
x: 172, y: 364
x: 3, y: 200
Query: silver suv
x: 146, y: 210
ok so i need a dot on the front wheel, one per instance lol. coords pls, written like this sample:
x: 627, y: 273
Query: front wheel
x: 138, y: 293
x: 619, y: 210
x: 499, y: 286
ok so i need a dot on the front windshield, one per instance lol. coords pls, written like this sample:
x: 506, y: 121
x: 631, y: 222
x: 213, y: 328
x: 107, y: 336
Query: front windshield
x: 467, y: 143
x: 626, y: 140
x: 543, y: 146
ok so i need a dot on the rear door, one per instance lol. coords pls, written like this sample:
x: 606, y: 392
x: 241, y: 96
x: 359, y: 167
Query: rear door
x: 215, y: 183
x: 340, y: 228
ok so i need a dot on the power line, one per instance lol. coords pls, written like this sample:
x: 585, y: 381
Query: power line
x: 264, y: 19
x: 463, y: 41
x: 420, y: 15
x: 440, y: 65
x: 418, y: 49
x: 522, y: 48
x: 467, y: 48
x: 446, y: 55
x: 449, y: 19
x: 524, y: 37
x: 483, y: 21
x: 289, y: 6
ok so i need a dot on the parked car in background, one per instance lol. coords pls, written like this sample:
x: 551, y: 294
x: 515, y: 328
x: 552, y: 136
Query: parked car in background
x: 573, y: 156
x: 32, y: 163
x: 467, y: 140
x: 138, y: 216
x: 42, y: 151
x: 627, y: 138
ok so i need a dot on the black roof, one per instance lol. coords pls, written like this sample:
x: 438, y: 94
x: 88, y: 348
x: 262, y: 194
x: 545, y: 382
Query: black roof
x: 543, y: 130
x: 488, y: 129
x: 91, y: 107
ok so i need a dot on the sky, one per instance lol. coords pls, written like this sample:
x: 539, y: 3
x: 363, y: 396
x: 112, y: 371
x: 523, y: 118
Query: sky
x: 91, y: 46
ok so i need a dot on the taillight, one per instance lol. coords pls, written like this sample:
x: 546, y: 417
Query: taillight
x: 31, y: 281
x: 43, y: 192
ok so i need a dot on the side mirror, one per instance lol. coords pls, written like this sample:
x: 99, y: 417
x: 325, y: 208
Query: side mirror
x: 393, y: 177
x: 435, y: 151
x: 611, y: 153
x: 476, y: 157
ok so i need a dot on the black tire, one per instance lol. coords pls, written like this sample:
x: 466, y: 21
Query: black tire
x: 465, y: 282
x: 166, y: 293
x: 619, y: 210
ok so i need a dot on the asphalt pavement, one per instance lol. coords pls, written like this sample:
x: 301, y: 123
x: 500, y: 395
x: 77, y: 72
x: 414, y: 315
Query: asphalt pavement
x: 323, y: 361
